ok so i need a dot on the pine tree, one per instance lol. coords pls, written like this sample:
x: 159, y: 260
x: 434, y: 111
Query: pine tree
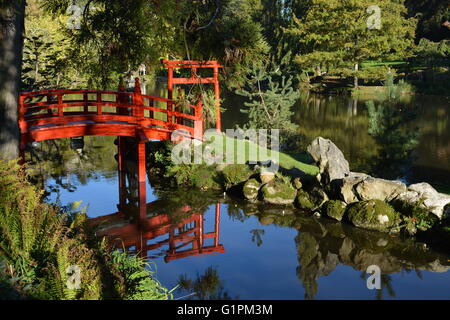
x: 270, y: 97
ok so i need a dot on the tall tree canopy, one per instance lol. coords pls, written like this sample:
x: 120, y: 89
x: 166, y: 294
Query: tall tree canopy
x: 337, y: 32
x: 122, y: 34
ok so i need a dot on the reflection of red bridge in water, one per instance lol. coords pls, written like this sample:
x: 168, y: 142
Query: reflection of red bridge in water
x: 186, y: 236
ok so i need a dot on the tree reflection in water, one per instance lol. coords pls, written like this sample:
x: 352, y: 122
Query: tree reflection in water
x: 322, y: 245
x: 257, y: 236
x: 206, y: 286
x: 391, y: 126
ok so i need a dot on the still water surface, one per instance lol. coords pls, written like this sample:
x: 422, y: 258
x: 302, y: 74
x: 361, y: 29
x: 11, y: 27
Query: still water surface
x: 254, y: 253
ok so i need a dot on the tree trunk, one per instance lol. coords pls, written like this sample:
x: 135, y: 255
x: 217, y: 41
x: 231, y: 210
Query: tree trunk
x: 355, y: 78
x: 11, y: 45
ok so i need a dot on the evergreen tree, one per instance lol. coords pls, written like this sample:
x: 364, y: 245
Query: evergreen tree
x: 270, y: 98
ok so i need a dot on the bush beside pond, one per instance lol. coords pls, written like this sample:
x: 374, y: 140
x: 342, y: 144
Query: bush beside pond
x: 43, y: 247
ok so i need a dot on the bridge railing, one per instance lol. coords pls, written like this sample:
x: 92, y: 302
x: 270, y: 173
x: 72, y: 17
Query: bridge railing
x: 62, y: 108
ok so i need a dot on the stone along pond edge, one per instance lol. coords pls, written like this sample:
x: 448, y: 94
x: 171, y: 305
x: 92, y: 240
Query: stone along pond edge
x: 335, y: 192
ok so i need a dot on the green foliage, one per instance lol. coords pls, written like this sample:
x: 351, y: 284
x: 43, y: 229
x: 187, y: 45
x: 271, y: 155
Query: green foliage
x: 206, y: 286
x: 270, y: 99
x: 137, y: 280
x: 235, y: 174
x: 334, y: 33
x: 415, y: 217
x: 431, y: 15
x: 39, y: 243
x: 195, y: 175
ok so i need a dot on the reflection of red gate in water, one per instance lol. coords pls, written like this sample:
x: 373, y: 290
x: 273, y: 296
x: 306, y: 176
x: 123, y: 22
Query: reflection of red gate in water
x: 186, y: 237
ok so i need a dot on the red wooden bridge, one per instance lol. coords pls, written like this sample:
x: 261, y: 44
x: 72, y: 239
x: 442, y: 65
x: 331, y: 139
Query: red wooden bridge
x: 54, y: 114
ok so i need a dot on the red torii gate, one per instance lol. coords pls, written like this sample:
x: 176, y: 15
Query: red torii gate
x: 195, y: 79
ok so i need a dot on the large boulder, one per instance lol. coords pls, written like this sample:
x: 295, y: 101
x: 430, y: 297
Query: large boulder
x: 380, y: 189
x: 343, y: 189
x: 330, y: 160
x: 278, y: 192
x: 303, y: 201
x: 334, y: 209
x: 426, y: 197
x: 373, y: 215
x: 235, y: 174
x: 251, y: 189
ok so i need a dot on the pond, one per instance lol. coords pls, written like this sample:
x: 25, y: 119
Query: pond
x: 216, y: 247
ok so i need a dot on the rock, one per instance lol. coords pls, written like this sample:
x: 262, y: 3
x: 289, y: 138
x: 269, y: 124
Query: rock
x: 235, y: 174
x: 312, y: 200
x: 380, y: 189
x: 343, y: 189
x: 373, y: 215
x: 251, y: 189
x: 307, y: 180
x: 334, y: 209
x: 426, y: 197
x: 297, y: 182
x: 303, y: 201
x: 330, y: 160
x: 266, y: 177
x: 318, y: 197
x: 278, y: 192
x: 221, y: 167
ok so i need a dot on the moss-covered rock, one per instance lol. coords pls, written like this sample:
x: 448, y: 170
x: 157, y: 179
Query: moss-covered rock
x: 235, y: 174
x: 373, y: 215
x: 303, y: 201
x: 334, y: 209
x: 251, y: 189
x: 278, y: 192
x: 311, y: 200
x: 318, y: 196
x: 297, y: 183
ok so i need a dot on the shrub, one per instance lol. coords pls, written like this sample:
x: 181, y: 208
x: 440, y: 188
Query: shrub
x: 235, y: 174
x: 40, y: 244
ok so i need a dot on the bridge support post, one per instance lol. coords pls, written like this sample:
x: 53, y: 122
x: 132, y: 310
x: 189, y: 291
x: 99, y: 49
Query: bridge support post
x: 217, y: 95
x: 142, y: 180
x: 217, y: 226
x: 121, y: 169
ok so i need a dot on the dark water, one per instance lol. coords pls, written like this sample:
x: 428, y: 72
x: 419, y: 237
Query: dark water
x: 217, y: 247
